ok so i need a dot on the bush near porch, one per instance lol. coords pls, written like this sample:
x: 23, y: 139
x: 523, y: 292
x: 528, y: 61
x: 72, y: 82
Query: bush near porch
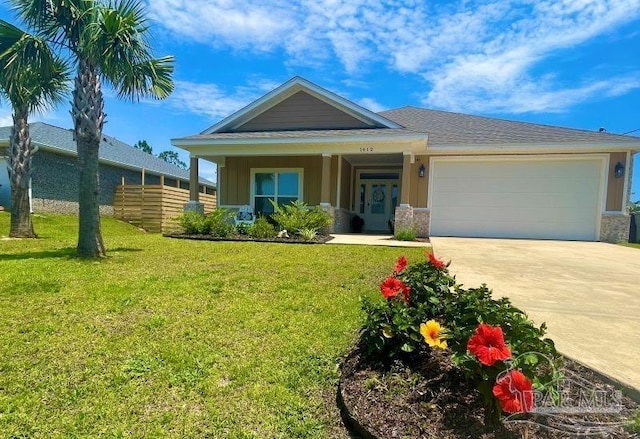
x: 175, y: 338
x: 295, y: 218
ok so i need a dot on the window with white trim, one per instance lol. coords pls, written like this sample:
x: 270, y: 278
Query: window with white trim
x: 281, y: 186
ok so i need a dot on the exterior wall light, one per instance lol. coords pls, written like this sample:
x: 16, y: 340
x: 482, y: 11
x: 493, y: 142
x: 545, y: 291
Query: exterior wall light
x: 421, y: 171
x: 619, y: 170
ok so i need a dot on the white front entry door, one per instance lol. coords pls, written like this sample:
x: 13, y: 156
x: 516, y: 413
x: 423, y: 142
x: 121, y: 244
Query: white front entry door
x: 378, y: 200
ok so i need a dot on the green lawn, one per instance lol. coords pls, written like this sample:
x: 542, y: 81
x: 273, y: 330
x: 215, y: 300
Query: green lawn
x: 628, y: 244
x: 173, y: 338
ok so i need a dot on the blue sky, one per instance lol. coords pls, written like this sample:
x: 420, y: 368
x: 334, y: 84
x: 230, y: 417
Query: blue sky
x: 573, y: 63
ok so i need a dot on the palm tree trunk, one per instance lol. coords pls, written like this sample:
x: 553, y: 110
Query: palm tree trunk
x: 20, y: 174
x: 88, y: 119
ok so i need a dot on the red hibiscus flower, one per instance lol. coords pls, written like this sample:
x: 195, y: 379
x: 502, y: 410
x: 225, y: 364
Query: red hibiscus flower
x: 488, y: 345
x: 435, y: 262
x: 401, y: 264
x: 514, y: 392
x: 391, y: 287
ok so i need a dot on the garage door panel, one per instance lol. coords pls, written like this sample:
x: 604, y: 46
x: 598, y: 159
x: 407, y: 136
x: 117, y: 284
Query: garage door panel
x: 534, y: 230
x: 524, y: 185
x: 523, y: 198
x: 503, y: 199
x: 520, y: 216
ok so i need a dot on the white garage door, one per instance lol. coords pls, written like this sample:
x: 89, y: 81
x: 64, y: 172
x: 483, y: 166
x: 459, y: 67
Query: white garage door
x: 516, y: 198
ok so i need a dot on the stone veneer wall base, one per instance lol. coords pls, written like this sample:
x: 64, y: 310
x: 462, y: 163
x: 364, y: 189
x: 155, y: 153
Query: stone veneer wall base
x: 332, y: 213
x: 342, y: 221
x: 614, y: 227
x: 43, y: 205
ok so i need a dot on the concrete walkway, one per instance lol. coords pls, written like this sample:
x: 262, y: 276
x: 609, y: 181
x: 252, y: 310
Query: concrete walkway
x: 387, y: 240
x: 587, y: 292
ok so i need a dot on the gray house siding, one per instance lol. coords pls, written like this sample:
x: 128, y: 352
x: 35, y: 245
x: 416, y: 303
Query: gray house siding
x: 55, y: 183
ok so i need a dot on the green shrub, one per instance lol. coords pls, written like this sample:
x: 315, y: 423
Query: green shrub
x: 243, y: 228
x: 296, y: 216
x: 262, y: 228
x: 219, y: 223
x: 308, y: 234
x: 194, y: 223
x: 406, y: 235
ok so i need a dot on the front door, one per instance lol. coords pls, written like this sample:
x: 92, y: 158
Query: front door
x: 378, y: 201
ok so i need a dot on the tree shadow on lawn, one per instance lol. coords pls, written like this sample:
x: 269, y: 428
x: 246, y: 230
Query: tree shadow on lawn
x: 62, y: 253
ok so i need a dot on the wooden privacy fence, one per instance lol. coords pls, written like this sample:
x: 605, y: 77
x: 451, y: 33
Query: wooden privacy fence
x: 154, y: 207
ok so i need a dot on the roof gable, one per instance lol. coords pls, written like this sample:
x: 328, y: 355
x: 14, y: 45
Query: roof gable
x: 297, y: 105
x: 301, y: 111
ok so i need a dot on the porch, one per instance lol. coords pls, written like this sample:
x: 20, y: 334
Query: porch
x: 381, y: 188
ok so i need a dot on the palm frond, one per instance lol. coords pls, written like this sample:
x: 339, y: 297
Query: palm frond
x: 149, y: 78
x: 31, y: 75
x: 58, y: 21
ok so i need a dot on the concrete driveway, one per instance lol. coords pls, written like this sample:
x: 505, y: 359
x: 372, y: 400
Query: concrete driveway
x: 587, y: 292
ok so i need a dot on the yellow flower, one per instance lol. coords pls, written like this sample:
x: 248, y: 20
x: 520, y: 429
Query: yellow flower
x: 433, y: 334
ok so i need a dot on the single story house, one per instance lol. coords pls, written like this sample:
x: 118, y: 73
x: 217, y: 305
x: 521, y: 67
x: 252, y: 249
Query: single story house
x: 440, y: 173
x: 54, y: 183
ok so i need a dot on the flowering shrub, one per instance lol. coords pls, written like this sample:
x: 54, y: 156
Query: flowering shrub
x: 487, y: 344
x: 514, y: 392
x: 493, y: 343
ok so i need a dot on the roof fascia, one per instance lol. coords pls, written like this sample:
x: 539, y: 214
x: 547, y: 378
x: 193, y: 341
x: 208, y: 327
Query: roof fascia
x: 289, y: 88
x: 292, y: 147
x: 185, y: 143
x: 533, y: 148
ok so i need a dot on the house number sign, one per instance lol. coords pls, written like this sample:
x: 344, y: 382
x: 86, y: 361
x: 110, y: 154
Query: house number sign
x: 366, y: 149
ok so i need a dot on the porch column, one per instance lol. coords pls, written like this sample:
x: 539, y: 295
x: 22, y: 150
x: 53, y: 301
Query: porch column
x: 407, y: 159
x: 194, y: 203
x: 404, y: 212
x: 193, y: 180
x: 325, y: 191
x: 325, y: 188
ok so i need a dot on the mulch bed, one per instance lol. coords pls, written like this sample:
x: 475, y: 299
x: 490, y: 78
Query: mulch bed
x: 295, y: 239
x: 426, y: 396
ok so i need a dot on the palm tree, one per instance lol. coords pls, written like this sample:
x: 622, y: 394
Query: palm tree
x: 107, y: 42
x: 32, y: 79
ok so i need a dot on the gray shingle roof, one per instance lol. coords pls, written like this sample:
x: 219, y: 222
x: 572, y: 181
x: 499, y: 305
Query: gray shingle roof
x: 445, y: 128
x: 111, y: 150
x: 293, y: 134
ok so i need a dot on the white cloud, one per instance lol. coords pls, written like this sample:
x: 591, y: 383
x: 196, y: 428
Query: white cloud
x: 484, y: 54
x: 254, y: 24
x: 371, y: 104
x: 214, y: 102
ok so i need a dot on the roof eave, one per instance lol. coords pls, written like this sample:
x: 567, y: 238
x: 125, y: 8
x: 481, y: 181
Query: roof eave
x: 535, y: 148
x: 115, y: 163
x: 394, y: 138
x: 414, y: 144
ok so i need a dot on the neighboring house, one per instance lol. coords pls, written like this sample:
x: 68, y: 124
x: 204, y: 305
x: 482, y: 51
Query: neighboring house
x: 54, y: 184
x: 440, y: 173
